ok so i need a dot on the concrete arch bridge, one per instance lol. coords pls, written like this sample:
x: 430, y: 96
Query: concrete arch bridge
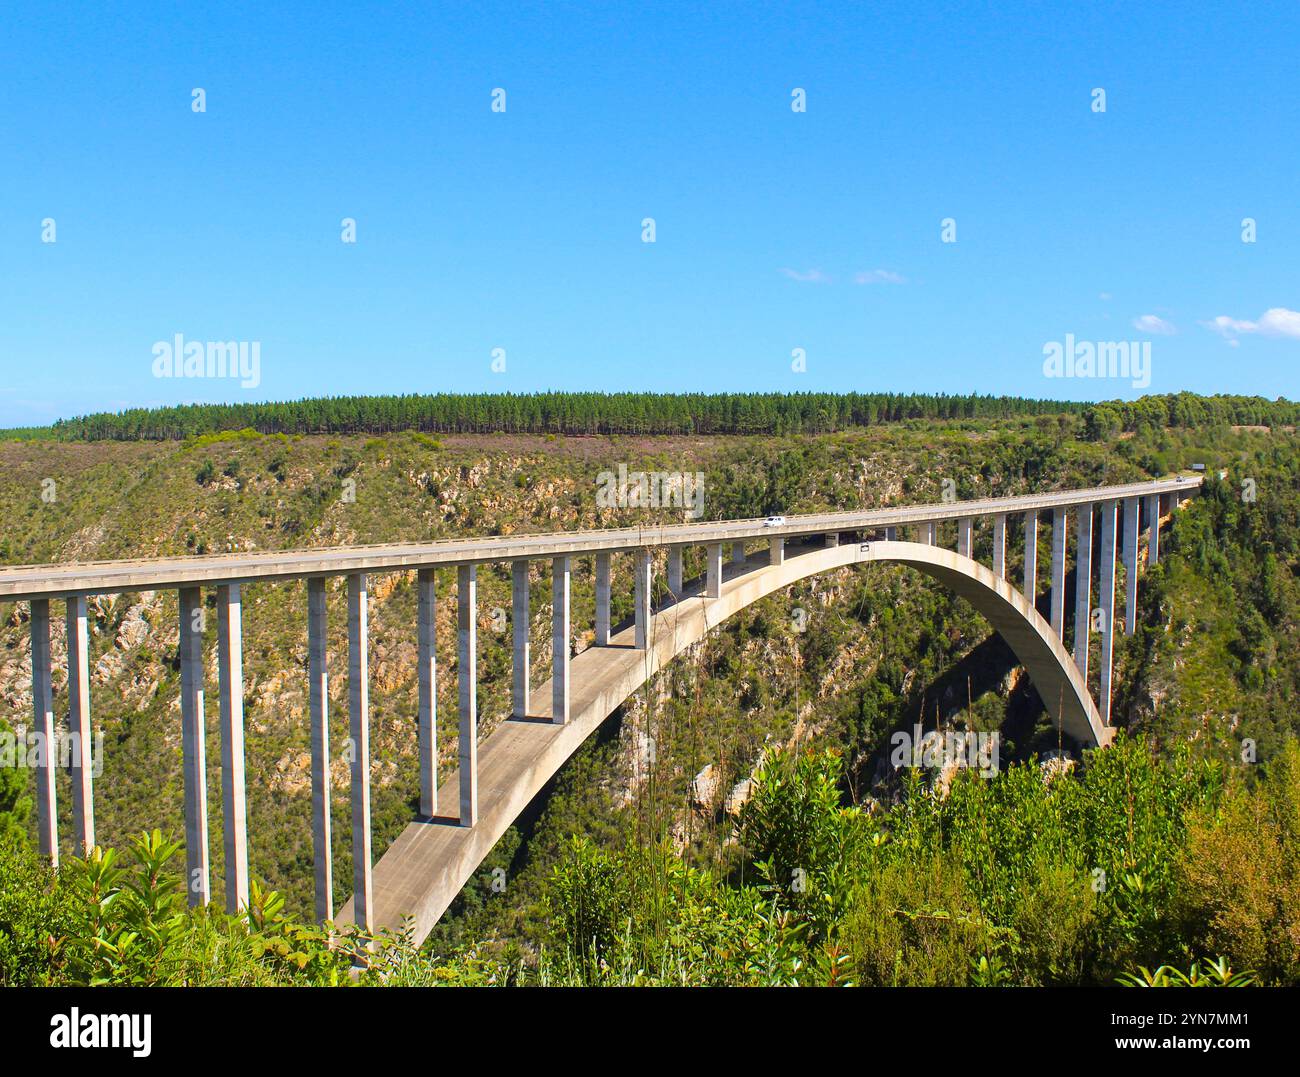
x: 461, y: 819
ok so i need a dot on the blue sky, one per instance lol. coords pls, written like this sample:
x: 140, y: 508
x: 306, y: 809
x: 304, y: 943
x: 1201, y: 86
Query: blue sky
x: 521, y: 230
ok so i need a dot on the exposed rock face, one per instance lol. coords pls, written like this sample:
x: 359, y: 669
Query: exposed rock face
x: 704, y: 788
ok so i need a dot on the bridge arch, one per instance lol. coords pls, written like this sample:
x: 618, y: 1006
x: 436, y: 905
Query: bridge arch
x: 431, y: 860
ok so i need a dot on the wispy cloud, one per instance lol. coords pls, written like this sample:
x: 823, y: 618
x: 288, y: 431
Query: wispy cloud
x: 878, y: 276
x: 808, y: 276
x: 1274, y: 322
x: 1153, y: 323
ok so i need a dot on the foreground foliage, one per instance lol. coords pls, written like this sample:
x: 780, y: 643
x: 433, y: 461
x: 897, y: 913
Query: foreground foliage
x: 1036, y: 876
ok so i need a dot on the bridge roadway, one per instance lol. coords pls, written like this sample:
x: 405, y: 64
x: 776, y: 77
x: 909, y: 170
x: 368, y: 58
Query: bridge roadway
x: 114, y: 577
x: 426, y: 867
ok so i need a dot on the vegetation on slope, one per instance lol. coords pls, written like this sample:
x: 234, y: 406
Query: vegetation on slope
x: 1215, y: 660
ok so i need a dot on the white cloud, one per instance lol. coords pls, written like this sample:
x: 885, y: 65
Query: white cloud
x: 1105, y: 296
x: 810, y: 276
x: 878, y: 276
x: 1274, y: 322
x: 1153, y: 323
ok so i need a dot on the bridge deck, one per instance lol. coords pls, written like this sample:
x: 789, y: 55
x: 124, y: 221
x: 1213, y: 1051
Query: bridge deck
x: 112, y: 577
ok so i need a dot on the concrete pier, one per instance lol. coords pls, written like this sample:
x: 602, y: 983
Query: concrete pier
x: 644, y: 579
x: 318, y: 702
x: 427, y: 729
x: 47, y: 813
x: 891, y: 534
x: 521, y: 631
x: 965, y: 536
x: 359, y: 735
x: 467, y: 686
x: 737, y: 553
x: 1131, y: 506
x: 1060, y: 526
x: 234, y: 812
x: 602, y: 599
x: 675, y: 571
x: 1030, y: 586
x: 776, y: 551
x: 832, y: 538
x: 560, y: 637
x: 193, y: 747
x: 79, y: 724
x: 1083, y: 588
x: 1106, y: 602
x: 1000, y: 546
x: 1153, y: 530
x: 930, y: 533
x: 713, y: 571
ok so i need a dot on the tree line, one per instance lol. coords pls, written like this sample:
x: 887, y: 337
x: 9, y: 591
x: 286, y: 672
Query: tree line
x: 554, y: 413
x: 591, y: 413
x: 1186, y: 410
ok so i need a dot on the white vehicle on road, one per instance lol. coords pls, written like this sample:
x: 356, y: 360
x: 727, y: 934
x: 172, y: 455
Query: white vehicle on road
x: 774, y: 521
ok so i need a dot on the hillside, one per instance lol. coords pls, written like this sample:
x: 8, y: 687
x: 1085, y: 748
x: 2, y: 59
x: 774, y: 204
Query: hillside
x: 880, y: 644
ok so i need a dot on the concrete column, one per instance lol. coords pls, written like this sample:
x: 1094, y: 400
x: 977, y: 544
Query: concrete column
x: 359, y: 734
x: 1083, y: 587
x: 776, y: 550
x: 1030, y: 589
x: 891, y: 534
x: 318, y: 701
x: 427, y: 735
x: 83, y: 742
x: 644, y: 577
x: 230, y: 664
x: 602, y: 599
x: 1060, y: 529
x: 194, y: 746
x: 1106, y: 600
x: 930, y: 533
x: 520, y: 627
x: 1153, y: 530
x: 675, y: 571
x: 964, y: 535
x: 560, y: 640
x: 47, y: 814
x: 1130, y: 564
x: 832, y: 538
x: 737, y: 553
x: 1000, y: 546
x: 467, y: 678
x: 713, y: 571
